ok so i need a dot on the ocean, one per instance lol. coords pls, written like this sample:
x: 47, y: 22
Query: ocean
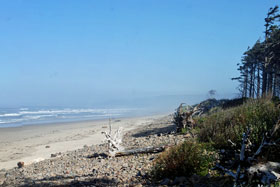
x: 15, y: 117
x: 153, y: 105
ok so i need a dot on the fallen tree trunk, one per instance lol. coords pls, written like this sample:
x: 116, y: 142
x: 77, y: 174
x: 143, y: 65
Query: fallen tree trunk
x: 140, y: 150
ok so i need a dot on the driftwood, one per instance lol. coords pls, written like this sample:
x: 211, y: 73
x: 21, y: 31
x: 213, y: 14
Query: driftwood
x: 227, y: 171
x: 185, y: 114
x: 242, y: 157
x: 114, y: 144
x: 267, y: 172
x: 245, y: 172
x: 116, y: 149
x: 183, y: 118
x: 140, y: 150
x: 114, y: 140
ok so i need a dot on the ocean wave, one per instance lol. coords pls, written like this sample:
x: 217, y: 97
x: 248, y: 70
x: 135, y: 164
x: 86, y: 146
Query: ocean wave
x: 11, y: 121
x: 25, y: 116
x: 10, y: 115
x: 19, y: 120
x: 66, y: 111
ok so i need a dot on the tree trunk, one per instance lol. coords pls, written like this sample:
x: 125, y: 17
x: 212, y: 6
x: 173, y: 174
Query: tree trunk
x: 264, y: 85
x: 258, y: 82
x: 251, y: 84
x: 253, y: 81
x: 264, y: 82
x: 245, y: 89
x: 270, y: 81
x: 274, y: 84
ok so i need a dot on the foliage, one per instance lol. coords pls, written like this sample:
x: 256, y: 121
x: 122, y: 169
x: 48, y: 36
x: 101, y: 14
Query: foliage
x: 259, y: 68
x: 184, y: 131
x: 234, y: 102
x: 260, y: 115
x: 185, y: 159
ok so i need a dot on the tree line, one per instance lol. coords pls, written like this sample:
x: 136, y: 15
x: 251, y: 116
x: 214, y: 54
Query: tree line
x: 260, y: 65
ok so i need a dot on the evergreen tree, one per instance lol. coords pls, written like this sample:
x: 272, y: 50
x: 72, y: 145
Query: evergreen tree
x: 260, y: 65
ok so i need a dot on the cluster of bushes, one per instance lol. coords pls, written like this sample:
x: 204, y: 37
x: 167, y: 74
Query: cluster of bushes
x: 215, y: 129
x: 259, y: 115
x: 185, y: 159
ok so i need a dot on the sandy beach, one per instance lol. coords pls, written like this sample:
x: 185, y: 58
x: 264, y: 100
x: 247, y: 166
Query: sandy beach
x: 82, y: 163
x: 33, y: 143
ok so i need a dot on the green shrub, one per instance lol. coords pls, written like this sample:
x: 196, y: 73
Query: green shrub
x: 185, y: 159
x: 184, y: 131
x: 259, y: 115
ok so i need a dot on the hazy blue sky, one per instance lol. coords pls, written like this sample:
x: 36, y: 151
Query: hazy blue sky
x: 76, y: 52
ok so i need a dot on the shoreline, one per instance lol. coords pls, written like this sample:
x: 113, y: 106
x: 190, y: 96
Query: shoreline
x: 33, y: 143
x: 92, y: 165
x: 83, y: 119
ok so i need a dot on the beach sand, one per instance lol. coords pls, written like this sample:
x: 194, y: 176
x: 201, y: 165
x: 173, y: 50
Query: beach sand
x: 92, y: 166
x: 33, y: 143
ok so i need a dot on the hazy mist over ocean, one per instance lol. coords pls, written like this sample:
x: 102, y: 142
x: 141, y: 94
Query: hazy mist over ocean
x: 111, y: 108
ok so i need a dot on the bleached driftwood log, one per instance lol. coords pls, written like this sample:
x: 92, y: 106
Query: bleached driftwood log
x: 140, y: 150
x: 265, y: 172
x: 116, y: 149
x: 114, y: 140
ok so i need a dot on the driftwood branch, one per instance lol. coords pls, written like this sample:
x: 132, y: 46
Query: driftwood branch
x: 266, y: 173
x: 265, y: 142
x: 242, y: 156
x: 115, y: 148
x: 225, y: 170
x: 140, y: 150
x: 114, y: 144
x: 232, y: 143
x: 114, y: 140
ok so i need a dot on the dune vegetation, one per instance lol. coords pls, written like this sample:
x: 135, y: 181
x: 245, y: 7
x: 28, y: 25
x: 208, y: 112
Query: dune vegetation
x: 219, y: 136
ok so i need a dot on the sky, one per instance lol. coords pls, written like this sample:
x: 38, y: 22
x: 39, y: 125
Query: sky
x: 69, y: 52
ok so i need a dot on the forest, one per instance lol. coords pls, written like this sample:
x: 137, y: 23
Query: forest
x: 260, y: 68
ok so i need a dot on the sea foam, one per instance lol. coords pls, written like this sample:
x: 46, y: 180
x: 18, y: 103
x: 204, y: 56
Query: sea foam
x: 24, y: 116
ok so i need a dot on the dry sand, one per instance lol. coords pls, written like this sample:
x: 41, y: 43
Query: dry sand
x: 34, y: 143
